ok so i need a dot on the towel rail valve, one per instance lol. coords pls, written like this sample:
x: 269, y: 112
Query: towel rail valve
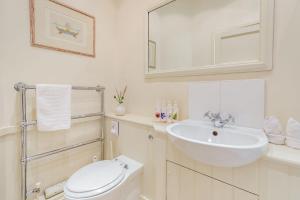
x: 36, y: 190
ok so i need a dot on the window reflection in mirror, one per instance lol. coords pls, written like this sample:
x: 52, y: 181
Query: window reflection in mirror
x: 187, y: 34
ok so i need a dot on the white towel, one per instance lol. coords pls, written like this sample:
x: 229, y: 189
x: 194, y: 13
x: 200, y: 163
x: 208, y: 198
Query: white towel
x: 272, y: 126
x: 293, y: 133
x: 53, y: 104
x: 273, y: 130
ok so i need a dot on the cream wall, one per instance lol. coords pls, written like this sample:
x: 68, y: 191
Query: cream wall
x: 21, y: 62
x: 120, y: 58
x: 283, y: 82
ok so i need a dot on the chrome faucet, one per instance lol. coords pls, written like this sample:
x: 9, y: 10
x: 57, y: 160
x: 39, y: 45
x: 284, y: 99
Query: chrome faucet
x: 219, y: 120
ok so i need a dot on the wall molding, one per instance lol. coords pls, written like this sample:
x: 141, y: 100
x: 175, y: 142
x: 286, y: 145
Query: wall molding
x: 8, y: 130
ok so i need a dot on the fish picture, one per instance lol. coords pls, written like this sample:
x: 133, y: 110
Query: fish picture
x: 66, y: 29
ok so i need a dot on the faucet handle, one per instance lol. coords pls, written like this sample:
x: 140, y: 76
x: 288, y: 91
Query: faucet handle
x: 212, y: 116
x: 232, y: 119
x: 228, y: 117
x: 207, y: 114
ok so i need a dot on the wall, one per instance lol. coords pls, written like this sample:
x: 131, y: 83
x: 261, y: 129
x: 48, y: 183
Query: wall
x: 21, y: 62
x: 282, y: 98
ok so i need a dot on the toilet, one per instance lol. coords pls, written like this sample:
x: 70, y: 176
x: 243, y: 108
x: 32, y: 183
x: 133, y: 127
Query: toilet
x: 117, y: 179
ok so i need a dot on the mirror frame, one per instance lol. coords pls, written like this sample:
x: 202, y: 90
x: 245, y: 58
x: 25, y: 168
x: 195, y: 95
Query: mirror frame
x: 266, y: 49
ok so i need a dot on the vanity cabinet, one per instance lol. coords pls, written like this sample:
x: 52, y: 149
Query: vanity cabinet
x: 184, y: 183
x: 170, y: 174
x: 245, y: 177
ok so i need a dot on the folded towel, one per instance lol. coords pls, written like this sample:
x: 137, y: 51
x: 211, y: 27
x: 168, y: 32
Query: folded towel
x: 293, y: 133
x: 53, y: 107
x: 273, y: 130
x: 276, y: 139
x: 272, y: 126
x: 293, y: 128
x: 292, y: 142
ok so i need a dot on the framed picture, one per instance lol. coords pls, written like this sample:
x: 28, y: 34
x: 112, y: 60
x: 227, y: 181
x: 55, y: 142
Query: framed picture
x: 59, y: 27
x: 152, y: 54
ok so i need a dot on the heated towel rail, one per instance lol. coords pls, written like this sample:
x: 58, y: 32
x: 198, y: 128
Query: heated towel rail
x: 22, y: 88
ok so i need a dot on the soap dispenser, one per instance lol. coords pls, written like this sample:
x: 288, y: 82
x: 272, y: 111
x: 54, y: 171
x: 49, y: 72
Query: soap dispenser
x: 169, y: 111
x: 175, y: 112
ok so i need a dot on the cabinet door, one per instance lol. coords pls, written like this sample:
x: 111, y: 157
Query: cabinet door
x: 221, y: 191
x: 183, y: 184
x: 186, y: 184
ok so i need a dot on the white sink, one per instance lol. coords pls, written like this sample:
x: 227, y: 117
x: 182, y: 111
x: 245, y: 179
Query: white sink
x: 230, y: 146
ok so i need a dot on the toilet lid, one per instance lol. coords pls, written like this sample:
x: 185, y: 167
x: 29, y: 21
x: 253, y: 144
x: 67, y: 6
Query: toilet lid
x: 99, y: 176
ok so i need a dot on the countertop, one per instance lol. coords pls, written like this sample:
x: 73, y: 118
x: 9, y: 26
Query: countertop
x: 280, y: 153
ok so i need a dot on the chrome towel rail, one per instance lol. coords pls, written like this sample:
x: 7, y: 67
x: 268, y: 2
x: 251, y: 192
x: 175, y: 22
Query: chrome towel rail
x: 56, y: 151
x: 22, y: 88
x: 19, y: 86
x: 99, y: 114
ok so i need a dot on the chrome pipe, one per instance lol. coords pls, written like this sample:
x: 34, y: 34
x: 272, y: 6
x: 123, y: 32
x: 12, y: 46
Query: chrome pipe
x: 19, y: 86
x: 23, y: 144
x: 56, y: 151
x: 99, y: 114
x: 102, y: 125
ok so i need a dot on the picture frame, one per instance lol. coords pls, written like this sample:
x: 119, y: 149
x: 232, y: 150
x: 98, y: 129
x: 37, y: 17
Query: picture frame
x: 59, y: 27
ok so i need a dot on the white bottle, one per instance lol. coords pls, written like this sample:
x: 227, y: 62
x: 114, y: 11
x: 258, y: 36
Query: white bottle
x: 169, y: 112
x: 163, y: 113
x: 157, y: 112
x: 175, y: 112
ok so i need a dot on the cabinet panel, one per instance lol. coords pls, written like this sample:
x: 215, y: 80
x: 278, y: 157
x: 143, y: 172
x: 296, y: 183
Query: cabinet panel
x: 221, y: 191
x: 183, y: 184
x: 245, y: 177
x: 279, y: 181
x: 186, y: 184
x: 242, y: 195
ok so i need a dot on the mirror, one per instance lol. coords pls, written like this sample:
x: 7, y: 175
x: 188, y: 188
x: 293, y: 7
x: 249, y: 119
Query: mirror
x: 194, y: 37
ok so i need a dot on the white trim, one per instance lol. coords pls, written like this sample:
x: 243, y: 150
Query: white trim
x: 250, y: 28
x: 146, y: 24
x: 266, y: 49
x: 238, y: 67
x: 136, y: 119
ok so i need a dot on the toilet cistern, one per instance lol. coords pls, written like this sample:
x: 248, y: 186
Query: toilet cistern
x: 219, y: 120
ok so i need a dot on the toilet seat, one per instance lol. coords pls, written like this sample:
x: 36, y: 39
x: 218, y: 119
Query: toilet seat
x: 95, y: 179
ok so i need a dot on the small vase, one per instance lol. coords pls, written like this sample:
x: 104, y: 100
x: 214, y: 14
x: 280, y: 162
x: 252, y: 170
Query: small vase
x: 120, y: 110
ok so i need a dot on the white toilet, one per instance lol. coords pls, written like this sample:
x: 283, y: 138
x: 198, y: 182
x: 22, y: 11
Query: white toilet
x: 117, y: 179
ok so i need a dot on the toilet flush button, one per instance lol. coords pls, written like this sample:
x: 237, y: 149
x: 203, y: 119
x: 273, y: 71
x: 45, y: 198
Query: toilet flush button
x: 114, y: 127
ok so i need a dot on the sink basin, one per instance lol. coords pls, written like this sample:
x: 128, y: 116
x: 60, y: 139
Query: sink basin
x: 230, y: 146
